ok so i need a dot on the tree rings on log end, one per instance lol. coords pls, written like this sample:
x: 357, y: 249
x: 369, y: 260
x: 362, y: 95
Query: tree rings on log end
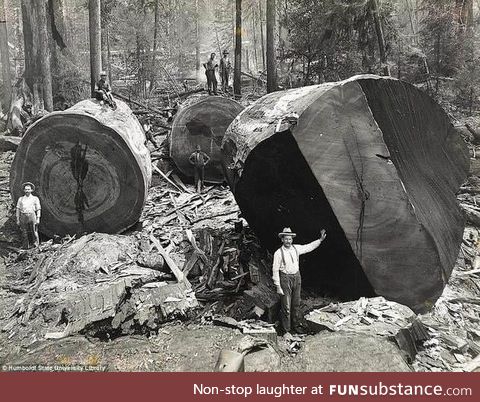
x: 202, y: 122
x: 90, y: 167
x: 374, y: 161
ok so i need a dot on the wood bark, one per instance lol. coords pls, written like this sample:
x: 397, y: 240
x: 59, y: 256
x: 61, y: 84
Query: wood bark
x: 271, y: 60
x: 5, y: 58
x: 364, y: 165
x: 90, y: 167
x: 95, y: 29
x: 202, y: 122
x: 197, y: 40
x: 237, y: 79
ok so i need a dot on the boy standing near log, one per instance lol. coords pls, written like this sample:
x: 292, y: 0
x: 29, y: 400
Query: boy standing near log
x: 286, y: 276
x: 28, y: 216
x: 199, y: 159
x: 210, y: 67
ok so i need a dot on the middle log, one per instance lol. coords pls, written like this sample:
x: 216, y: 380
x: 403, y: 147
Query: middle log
x: 374, y: 161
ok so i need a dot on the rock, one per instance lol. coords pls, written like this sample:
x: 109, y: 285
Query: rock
x: 341, y: 352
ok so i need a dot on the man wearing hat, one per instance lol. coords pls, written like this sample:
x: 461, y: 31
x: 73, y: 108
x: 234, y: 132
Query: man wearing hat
x: 225, y: 68
x: 103, y: 91
x: 286, y: 276
x: 28, y: 216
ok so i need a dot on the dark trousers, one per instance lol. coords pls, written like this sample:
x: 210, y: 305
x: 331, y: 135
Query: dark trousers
x: 290, y: 301
x: 29, y: 230
x: 211, y: 81
x: 225, y: 75
x: 199, y: 175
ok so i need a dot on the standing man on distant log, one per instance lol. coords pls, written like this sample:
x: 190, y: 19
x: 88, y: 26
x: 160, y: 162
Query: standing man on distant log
x: 225, y: 68
x: 199, y: 159
x: 28, y: 216
x: 287, y: 279
x: 210, y: 67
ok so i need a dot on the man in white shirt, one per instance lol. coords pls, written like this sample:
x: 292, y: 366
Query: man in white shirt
x: 28, y: 216
x: 286, y: 276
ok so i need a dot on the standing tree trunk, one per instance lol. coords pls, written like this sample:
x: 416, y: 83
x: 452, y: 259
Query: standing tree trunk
x: 197, y: 40
x: 153, y: 75
x: 95, y: 41
x: 254, y: 30
x: 5, y: 59
x: 380, y: 37
x: 237, y: 84
x: 271, y: 64
x: 44, y: 55
x: 262, y: 38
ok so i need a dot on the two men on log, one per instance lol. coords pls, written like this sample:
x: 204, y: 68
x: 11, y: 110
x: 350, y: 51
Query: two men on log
x: 28, y: 216
x: 199, y: 159
x: 287, y: 279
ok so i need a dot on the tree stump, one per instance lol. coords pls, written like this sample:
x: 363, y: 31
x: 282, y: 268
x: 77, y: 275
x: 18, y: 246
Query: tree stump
x: 203, y: 121
x: 374, y: 161
x: 90, y: 167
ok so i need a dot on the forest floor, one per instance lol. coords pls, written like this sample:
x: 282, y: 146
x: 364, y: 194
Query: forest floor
x: 190, y: 334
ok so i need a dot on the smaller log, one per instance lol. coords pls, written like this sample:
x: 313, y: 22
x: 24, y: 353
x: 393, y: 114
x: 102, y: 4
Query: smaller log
x: 203, y: 121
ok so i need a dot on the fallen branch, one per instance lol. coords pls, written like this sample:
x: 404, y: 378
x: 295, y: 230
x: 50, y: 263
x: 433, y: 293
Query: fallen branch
x: 176, y: 271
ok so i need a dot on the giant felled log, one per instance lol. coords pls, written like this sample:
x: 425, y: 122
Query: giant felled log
x: 374, y: 161
x: 203, y: 121
x: 90, y: 167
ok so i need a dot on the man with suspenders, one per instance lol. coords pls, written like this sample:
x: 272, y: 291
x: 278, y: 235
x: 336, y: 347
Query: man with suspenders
x: 286, y: 275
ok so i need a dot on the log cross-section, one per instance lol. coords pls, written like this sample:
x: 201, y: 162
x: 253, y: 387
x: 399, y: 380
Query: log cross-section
x: 90, y: 166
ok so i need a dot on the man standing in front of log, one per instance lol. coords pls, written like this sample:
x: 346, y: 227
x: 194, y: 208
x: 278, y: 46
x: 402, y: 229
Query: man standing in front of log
x: 199, y: 159
x: 286, y: 276
x: 28, y: 215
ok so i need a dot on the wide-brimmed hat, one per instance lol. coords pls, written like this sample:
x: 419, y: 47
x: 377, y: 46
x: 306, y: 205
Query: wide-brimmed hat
x: 286, y: 232
x: 103, y: 73
x: 226, y: 51
x: 27, y: 183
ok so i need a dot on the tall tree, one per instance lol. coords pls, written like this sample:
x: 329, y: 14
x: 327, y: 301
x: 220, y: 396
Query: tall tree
x: 262, y: 38
x: 237, y: 72
x: 155, y: 45
x: 197, y: 39
x: 44, y: 55
x: 5, y: 59
x: 380, y: 37
x: 271, y: 62
x: 95, y: 28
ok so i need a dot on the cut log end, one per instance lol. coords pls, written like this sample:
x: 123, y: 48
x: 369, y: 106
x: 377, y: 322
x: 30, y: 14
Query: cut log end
x: 90, y: 168
x: 361, y: 162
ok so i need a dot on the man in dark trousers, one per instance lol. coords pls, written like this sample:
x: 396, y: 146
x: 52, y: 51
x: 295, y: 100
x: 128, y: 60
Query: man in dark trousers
x: 199, y: 159
x: 225, y: 69
x: 103, y: 91
x: 210, y: 67
x: 287, y: 279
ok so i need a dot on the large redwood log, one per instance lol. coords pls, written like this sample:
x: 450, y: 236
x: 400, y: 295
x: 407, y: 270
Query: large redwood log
x: 202, y: 121
x: 373, y: 160
x: 90, y: 167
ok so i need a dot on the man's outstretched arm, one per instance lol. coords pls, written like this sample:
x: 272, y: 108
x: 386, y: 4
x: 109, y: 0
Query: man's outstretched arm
x: 307, y: 248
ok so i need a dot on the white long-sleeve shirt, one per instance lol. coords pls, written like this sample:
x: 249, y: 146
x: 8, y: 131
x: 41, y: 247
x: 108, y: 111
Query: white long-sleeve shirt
x: 291, y: 254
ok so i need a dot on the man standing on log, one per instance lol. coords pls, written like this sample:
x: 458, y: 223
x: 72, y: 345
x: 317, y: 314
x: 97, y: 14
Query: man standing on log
x: 199, y: 159
x: 103, y: 91
x: 28, y: 216
x: 210, y: 67
x: 225, y: 68
x: 287, y: 279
